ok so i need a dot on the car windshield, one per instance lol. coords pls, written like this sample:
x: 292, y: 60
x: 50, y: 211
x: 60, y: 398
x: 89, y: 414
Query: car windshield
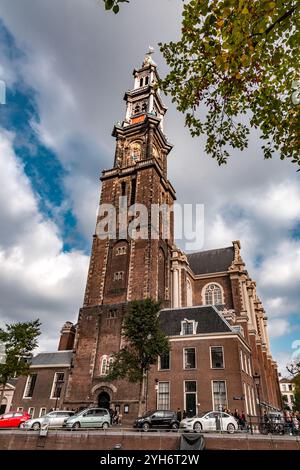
x: 148, y: 413
x: 200, y: 415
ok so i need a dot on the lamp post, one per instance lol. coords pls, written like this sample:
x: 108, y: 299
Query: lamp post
x: 58, y: 390
x: 156, y: 390
x: 256, y: 378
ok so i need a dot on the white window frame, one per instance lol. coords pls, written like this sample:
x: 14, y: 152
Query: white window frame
x: 189, y: 368
x: 26, y: 385
x: 54, y: 385
x: 203, y: 293
x: 212, y: 393
x: 169, y: 393
x: 41, y: 411
x: 194, y: 324
x: 31, y: 414
x: 210, y: 354
x: 104, y: 368
x: 20, y: 409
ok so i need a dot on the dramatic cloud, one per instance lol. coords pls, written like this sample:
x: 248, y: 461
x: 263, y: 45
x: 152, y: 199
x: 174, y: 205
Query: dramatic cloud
x: 37, y: 279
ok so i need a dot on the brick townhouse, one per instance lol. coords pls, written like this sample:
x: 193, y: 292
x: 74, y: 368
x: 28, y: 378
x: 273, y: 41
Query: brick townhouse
x: 215, y: 320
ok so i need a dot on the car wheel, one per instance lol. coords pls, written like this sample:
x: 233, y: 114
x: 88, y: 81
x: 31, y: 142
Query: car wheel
x: 146, y: 427
x: 36, y: 426
x: 230, y: 428
x: 197, y: 427
x: 76, y: 425
x: 174, y: 426
x: 105, y: 426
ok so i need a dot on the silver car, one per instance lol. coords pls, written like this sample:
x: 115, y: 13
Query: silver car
x: 89, y: 418
x: 54, y: 419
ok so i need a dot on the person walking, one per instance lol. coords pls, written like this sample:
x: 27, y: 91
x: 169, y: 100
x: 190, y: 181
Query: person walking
x: 179, y: 416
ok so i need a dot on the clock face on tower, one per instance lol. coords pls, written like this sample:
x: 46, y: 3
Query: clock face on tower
x: 135, y: 152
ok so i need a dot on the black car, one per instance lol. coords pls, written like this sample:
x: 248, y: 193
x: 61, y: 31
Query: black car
x: 158, y: 419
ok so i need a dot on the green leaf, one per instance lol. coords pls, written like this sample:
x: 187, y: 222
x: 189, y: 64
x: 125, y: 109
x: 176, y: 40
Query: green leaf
x: 109, y: 4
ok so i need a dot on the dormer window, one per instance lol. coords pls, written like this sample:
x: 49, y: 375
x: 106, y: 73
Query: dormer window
x: 141, y: 82
x: 188, y: 327
x: 146, y: 80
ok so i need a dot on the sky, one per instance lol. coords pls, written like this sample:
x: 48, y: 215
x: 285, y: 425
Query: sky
x: 66, y: 65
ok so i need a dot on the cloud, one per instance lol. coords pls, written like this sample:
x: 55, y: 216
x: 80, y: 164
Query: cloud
x: 37, y: 279
x: 278, y: 327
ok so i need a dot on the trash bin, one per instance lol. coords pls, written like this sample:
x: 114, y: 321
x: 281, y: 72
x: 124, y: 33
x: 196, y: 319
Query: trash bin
x: 192, y: 442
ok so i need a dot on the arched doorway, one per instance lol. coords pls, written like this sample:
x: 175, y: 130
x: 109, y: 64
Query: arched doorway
x: 104, y: 400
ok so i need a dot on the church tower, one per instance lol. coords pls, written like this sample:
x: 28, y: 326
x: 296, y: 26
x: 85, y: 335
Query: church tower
x: 125, y: 267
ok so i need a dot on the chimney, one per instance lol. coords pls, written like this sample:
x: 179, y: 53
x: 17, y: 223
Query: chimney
x: 67, y: 337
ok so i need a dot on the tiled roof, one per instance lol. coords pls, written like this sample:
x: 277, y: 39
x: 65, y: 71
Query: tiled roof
x: 211, y: 261
x: 52, y: 359
x: 208, y: 318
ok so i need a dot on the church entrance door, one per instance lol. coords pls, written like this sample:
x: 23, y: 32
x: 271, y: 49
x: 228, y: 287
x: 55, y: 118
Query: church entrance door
x: 104, y: 400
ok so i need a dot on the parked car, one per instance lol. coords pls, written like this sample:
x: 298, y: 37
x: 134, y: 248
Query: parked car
x: 210, y: 421
x: 14, y: 419
x: 158, y: 419
x: 54, y: 419
x: 89, y: 418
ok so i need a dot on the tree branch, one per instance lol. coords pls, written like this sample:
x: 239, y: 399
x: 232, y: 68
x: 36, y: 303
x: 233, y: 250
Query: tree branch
x: 279, y: 20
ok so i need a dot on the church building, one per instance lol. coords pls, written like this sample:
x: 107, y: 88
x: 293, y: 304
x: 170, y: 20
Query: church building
x: 211, y: 312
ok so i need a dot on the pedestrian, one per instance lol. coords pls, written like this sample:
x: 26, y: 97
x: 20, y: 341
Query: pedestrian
x: 183, y: 414
x: 179, y: 414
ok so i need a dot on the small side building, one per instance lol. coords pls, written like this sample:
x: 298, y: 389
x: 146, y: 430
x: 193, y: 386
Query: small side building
x: 44, y: 388
x: 287, y: 389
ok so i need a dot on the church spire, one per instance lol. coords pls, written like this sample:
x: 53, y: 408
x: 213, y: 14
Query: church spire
x: 144, y: 99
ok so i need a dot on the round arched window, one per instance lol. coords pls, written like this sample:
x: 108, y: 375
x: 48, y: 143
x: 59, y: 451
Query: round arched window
x: 213, y: 295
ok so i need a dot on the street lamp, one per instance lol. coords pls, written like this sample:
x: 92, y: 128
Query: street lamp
x: 58, y: 388
x: 156, y: 389
x: 256, y: 378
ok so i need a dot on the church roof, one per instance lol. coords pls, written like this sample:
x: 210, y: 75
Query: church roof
x: 211, y: 261
x: 58, y: 358
x: 208, y: 318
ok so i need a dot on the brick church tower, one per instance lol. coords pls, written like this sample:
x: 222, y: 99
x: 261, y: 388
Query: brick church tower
x: 125, y: 268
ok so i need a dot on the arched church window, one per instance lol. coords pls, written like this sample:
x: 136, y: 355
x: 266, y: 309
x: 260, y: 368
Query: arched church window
x: 146, y: 80
x: 106, y: 362
x: 144, y: 107
x: 121, y: 250
x: 213, y: 295
x: 103, y: 366
x: 137, y: 109
x: 141, y: 82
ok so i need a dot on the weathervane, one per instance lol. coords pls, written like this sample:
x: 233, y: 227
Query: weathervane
x: 148, y: 58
